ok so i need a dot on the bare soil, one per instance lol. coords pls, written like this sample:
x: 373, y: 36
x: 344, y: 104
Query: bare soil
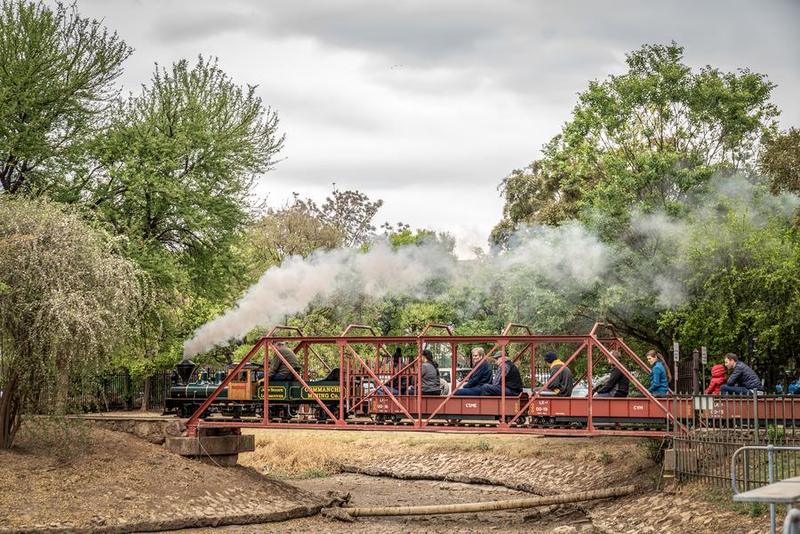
x: 105, y: 480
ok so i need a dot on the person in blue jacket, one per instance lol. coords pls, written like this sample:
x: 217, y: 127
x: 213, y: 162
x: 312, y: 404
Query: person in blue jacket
x: 660, y: 376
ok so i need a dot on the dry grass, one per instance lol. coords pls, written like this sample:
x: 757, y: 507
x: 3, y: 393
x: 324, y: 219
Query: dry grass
x: 314, y: 453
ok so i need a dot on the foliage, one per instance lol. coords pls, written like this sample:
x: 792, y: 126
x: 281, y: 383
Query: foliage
x: 745, y: 282
x: 648, y: 138
x: 352, y: 212
x: 780, y: 160
x: 294, y: 230
x: 645, y: 143
x: 56, y: 80
x: 178, y: 162
x: 69, y: 304
x: 174, y: 175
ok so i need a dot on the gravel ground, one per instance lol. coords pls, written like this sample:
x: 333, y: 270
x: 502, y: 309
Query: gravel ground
x: 379, y: 491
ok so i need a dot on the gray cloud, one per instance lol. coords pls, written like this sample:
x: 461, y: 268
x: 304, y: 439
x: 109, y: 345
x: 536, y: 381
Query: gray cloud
x: 441, y: 98
x: 553, y: 44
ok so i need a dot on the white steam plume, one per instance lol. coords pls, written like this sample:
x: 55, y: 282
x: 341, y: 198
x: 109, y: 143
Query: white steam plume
x: 290, y: 287
x: 568, y: 259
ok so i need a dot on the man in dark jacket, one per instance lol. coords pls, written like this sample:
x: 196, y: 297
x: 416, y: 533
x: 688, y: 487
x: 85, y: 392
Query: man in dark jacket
x: 483, y: 373
x: 617, y: 384
x: 562, y: 385
x: 743, y: 379
x: 513, y: 381
x: 278, y: 369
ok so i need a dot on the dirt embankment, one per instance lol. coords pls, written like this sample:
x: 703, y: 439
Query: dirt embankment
x: 113, y: 482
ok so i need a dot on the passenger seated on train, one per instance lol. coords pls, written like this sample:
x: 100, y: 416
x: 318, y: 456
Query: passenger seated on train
x: 743, y: 379
x: 659, y: 374
x: 562, y: 385
x: 483, y: 373
x: 430, y: 376
x: 617, y: 384
x: 718, y: 379
x: 278, y: 369
x: 513, y: 381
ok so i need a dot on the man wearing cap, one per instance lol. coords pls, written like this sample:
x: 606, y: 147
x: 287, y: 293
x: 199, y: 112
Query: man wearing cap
x: 562, y: 385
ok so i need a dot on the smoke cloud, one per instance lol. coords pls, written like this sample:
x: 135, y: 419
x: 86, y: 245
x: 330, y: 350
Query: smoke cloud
x: 289, y: 288
x: 650, y: 263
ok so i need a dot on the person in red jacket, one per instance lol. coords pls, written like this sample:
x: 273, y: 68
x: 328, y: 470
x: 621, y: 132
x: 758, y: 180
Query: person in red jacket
x: 717, y: 379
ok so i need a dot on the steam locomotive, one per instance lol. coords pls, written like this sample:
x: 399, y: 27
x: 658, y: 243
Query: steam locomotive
x: 244, y: 394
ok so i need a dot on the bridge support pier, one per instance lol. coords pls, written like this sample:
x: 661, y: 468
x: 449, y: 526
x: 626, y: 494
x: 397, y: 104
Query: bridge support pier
x: 217, y: 446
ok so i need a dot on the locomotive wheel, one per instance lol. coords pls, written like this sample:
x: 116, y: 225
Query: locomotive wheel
x: 453, y: 421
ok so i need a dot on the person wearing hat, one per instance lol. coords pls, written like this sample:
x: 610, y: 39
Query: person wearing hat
x: 562, y: 385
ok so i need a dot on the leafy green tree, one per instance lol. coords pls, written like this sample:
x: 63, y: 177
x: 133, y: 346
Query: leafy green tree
x: 642, y: 143
x: 294, y: 230
x: 174, y: 175
x: 67, y: 304
x: 57, y: 73
x: 177, y: 166
x: 649, y: 138
x: 745, y: 283
x: 780, y: 160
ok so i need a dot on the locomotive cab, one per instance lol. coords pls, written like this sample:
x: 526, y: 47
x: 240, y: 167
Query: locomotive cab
x: 244, y: 385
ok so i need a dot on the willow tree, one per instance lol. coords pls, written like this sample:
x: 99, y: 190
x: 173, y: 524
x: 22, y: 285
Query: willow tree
x: 67, y: 303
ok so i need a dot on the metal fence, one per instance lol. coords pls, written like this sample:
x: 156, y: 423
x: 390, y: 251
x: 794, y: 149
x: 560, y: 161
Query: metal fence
x: 118, y: 391
x: 709, y: 429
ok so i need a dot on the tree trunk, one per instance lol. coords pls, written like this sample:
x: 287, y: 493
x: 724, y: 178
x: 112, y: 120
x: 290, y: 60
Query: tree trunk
x: 511, y: 504
x: 9, y: 413
x: 126, y: 390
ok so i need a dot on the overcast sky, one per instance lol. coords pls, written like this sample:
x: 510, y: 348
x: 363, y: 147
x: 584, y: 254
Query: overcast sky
x: 428, y: 105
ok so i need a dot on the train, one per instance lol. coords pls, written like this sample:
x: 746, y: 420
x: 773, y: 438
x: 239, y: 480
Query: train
x: 292, y: 402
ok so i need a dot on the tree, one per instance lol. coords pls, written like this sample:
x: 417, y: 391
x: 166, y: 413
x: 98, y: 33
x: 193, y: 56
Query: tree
x: 534, y: 195
x: 780, y: 160
x: 67, y: 304
x: 177, y: 166
x: 650, y: 138
x: 352, y: 212
x: 745, y: 283
x: 297, y: 229
x: 57, y: 71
